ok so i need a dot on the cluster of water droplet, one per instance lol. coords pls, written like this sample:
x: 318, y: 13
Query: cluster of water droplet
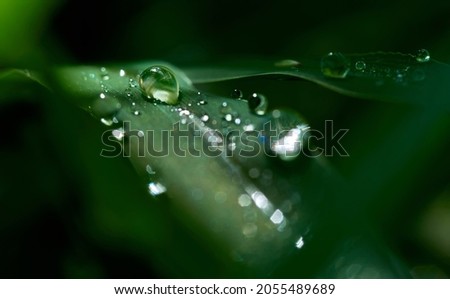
x: 397, y: 67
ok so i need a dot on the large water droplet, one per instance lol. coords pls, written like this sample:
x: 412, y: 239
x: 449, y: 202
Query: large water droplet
x: 423, y: 55
x: 335, y: 65
x: 159, y: 83
x: 258, y: 103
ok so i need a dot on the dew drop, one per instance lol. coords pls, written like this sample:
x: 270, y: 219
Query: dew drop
x: 122, y: 73
x: 102, y: 95
x: 136, y: 112
x: 360, y: 65
x: 289, y: 135
x: 423, y: 55
x: 119, y: 134
x: 159, y: 83
x: 106, y: 121
x: 287, y: 63
x: 132, y: 83
x: 258, y: 103
x: 155, y: 188
x: 335, y: 65
x: 205, y: 117
x: 236, y: 94
x: 228, y: 117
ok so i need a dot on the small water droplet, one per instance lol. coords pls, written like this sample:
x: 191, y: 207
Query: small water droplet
x: 258, y: 103
x: 132, y: 83
x: 136, y: 112
x: 184, y: 112
x: 106, y: 121
x: 228, y: 117
x: 205, y: 117
x: 202, y: 102
x: 236, y: 94
x: 122, y: 73
x: 299, y: 244
x: 335, y: 65
x: 237, y: 121
x: 224, y: 104
x: 104, y: 73
x: 119, y: 134
x: 360, y: 65
x: 155, y: 188
x: 287, y: 63
x: 159, y: 83
x: 423, y: 55
x: 291, y: 130
x: 102, y: 95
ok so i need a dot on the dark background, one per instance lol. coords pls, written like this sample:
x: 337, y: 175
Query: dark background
x: 67, y: 213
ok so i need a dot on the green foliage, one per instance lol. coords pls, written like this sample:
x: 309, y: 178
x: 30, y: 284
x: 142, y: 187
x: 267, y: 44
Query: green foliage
x: 355, y: 215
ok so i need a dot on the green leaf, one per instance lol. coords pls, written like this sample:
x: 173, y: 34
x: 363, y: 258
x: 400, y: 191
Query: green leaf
x: 393, y: 77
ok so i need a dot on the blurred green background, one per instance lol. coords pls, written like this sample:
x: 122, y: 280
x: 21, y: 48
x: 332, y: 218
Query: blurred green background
x: 67, y: 212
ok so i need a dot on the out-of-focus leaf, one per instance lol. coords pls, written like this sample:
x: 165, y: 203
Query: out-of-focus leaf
x: 391, y: 77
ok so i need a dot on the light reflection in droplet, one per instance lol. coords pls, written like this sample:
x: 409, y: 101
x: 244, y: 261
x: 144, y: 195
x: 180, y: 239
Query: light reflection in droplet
x: 107, y: 122
x: 155, y: 188
x: 277, y: 217
x: 299, y: 244
x: 119, y: 133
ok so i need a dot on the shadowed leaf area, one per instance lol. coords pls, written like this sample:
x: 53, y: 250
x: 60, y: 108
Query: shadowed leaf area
x: 255, y: 150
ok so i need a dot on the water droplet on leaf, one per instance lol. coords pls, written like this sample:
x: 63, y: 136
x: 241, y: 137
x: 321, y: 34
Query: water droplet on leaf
x: 106, y: 121
x: 335, y: 65
x: 236, y: 94
x: 258, y: 103
x: 423, y: 55
x: 155, y: 188
x: 290, y: 132
x: 159, y: 83
x: 360, y: 65
x: 287, y: 63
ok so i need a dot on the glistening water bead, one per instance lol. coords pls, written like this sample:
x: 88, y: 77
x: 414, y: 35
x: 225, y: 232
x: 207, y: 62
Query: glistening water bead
x: 423, y: 55
x: 158, y: 82
x: 257, y: 103
x: 335, y: 65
